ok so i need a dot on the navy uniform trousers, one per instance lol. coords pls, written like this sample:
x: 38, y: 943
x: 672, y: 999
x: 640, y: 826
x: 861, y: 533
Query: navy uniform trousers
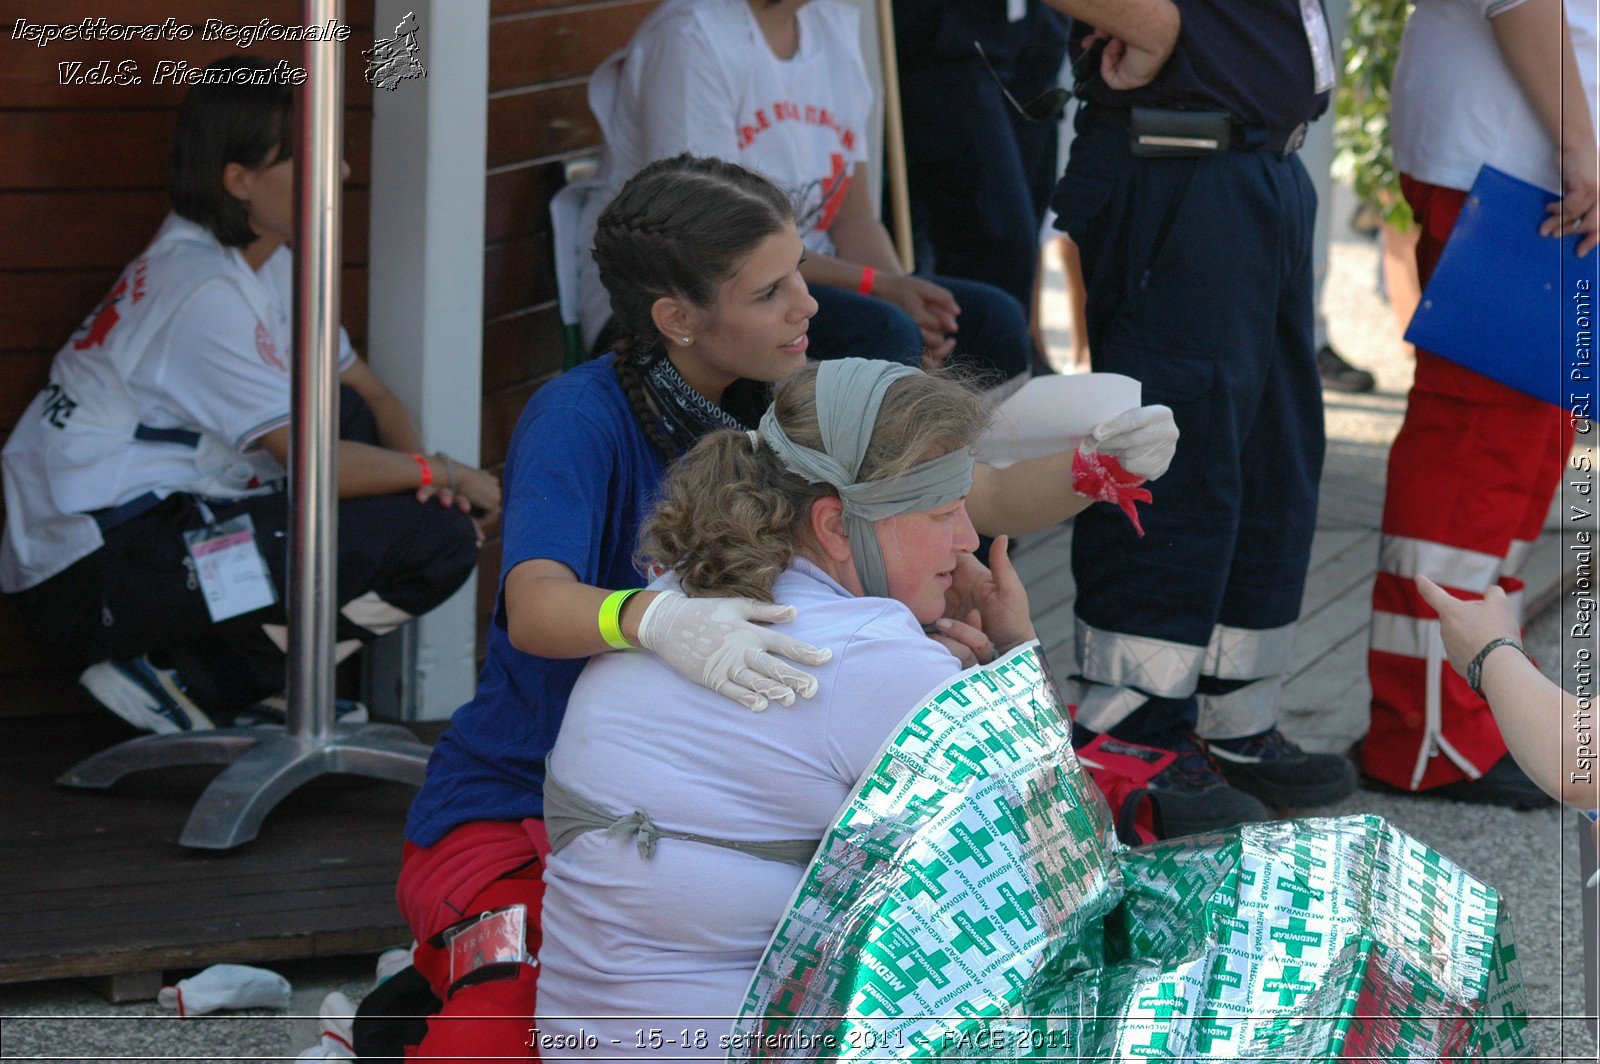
x: 1199, y: 282
x: 980, y: 176
x: 398, y: 559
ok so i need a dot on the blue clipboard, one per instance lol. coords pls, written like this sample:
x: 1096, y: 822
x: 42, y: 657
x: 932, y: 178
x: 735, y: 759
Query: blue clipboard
x: 1509, y: 303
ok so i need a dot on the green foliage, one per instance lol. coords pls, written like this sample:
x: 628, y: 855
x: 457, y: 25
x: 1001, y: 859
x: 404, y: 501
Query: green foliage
x: 1361, y: 115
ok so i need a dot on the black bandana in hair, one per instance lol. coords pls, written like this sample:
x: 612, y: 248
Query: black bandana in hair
x: 685, y: 413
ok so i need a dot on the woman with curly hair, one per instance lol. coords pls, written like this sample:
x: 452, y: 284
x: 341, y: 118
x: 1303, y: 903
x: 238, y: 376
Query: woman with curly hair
x: 848, y: 505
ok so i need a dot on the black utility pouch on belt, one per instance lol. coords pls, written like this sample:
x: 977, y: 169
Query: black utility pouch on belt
x: 1155, y: 133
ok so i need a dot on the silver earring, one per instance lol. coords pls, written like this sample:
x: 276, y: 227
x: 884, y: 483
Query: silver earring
x: 686, y: 340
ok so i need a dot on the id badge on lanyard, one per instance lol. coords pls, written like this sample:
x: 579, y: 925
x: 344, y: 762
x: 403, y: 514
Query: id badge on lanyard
x: 498, y: 936
x: 233, y: 575
x: 1321, y: 42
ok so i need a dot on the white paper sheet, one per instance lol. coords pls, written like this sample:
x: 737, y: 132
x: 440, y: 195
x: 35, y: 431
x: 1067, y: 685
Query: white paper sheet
x: 1049, y: 415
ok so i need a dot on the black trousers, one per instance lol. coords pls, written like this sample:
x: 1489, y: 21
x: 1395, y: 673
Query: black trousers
x: 137, y: 594
x: 980, y: 176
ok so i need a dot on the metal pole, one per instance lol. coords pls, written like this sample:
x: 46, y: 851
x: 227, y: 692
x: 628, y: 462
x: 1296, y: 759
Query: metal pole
x: 264, y: 765
x: 313, y: 456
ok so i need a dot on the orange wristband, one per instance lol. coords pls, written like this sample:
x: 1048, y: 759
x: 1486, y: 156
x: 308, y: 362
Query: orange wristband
x: 868, y: 277
x: 427, y: 470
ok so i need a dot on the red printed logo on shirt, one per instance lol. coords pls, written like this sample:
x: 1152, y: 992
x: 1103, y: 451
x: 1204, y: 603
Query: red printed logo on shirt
x: 817, y: 202
x: 267, y: 349
x: 833, y: 188
x: 103, y: 319
x: 765, y: 118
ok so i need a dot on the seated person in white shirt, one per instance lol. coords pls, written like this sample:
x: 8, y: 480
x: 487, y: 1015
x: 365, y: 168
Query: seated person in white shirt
x: 782, y: 89
x: 848, y: 504
x: 160, y: 445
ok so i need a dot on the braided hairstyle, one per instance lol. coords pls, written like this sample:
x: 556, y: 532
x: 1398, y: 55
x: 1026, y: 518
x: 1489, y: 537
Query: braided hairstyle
x: 679, y: 227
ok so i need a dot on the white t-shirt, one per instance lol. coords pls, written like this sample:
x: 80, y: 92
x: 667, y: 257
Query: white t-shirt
x: 681, y: 934
x: 168, y: 386
x: 699, y: 77
x: 1456, y: 105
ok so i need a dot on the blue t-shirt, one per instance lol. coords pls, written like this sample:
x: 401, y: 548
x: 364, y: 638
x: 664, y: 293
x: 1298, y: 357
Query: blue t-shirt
x: 580, y: 479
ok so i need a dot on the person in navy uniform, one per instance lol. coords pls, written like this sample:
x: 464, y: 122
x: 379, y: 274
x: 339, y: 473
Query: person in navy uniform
x: 1194, y: 218
x: 980, y: 166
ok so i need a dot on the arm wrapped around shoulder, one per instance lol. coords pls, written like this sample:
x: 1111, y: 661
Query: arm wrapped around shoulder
x: 728, y: 527
x: 724, y: 644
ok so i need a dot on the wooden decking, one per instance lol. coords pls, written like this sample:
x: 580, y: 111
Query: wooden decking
x: 96, y: 884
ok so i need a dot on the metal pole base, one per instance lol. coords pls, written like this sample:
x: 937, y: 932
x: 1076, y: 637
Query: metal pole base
x: 264, y: 765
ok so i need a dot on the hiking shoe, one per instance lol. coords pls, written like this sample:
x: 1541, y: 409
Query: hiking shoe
x: 1340, y: 376
x: 1272, y: 768
x: 1193, y: 796
x: 275, y: 710
x: 1505, y: 785
x: 150, y: 698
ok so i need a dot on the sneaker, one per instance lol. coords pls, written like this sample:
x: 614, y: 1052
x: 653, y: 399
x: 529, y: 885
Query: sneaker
x: 1505, y: 785
x: 150, y: 698
x: 1340, y: 376
x: 1193, y: 796
x: 1272, y: 768
x: 275, y: 710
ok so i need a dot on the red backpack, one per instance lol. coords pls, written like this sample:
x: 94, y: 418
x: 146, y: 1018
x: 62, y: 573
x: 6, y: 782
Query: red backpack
x: 1122, y: 770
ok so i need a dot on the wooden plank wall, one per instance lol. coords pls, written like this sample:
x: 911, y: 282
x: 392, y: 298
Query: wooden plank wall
x: 541, y: 53
x: 83, y: 188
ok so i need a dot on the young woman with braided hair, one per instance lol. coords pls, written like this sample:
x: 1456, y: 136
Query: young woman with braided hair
x: 702, y: 261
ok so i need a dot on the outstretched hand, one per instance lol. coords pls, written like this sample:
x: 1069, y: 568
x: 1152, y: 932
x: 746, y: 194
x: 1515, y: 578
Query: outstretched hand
x: 1143, y: 440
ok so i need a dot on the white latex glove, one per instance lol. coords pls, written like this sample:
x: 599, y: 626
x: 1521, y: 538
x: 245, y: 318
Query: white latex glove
x: 1142, y: 440
x: 718, y: 643
x: 226, y: 986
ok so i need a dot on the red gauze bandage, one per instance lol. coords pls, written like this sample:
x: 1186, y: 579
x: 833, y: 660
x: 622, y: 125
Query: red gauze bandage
x: 1102, y: 478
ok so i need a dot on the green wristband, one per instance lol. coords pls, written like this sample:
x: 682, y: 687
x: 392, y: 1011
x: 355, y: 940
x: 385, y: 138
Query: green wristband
x: 611, y: 617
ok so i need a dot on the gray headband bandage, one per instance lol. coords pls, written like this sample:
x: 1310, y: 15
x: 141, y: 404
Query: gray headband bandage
x: 849, y: 393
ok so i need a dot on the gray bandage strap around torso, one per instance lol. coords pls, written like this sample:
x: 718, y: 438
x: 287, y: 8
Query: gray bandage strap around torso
x: 568, y: 814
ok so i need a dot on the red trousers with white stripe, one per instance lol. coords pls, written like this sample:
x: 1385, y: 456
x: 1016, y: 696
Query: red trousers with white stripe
x: 1471, y: 476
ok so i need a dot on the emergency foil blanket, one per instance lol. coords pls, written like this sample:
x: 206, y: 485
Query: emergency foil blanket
x: 971, y: 903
